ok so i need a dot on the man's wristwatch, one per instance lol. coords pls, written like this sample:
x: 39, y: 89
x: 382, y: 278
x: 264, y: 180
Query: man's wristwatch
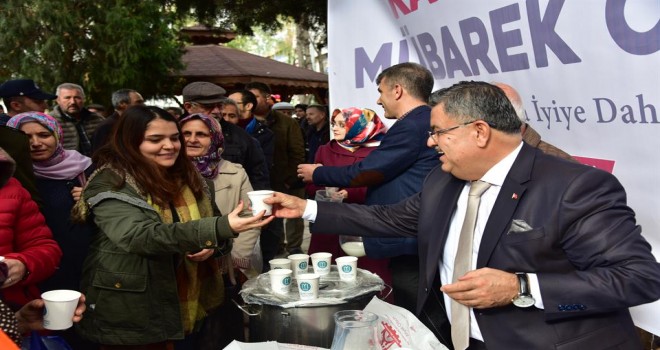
x: 524, y: 297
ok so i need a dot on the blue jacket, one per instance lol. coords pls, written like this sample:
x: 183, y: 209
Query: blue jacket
x: 394, y: 171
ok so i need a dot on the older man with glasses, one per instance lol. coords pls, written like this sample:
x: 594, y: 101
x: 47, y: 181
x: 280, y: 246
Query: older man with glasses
x: 518, y: 249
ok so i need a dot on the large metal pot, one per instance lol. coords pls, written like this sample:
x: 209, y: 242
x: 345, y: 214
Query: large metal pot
x: 304, y: 324
x: 307, y: 325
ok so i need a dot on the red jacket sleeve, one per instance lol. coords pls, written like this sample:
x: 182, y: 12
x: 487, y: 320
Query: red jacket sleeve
x: 33, y: 241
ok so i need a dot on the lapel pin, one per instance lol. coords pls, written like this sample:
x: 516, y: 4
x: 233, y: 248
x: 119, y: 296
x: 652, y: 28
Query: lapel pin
x: 514, y: 196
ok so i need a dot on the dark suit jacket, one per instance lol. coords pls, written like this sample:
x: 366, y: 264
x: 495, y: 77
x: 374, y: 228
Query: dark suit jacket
x: 584, y: 245
x: 394, y: 171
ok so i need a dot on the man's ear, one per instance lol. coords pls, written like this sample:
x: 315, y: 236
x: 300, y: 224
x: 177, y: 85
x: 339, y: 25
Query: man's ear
x: 15, y: 106
x: 249, y: 107
x: 483, y: 132
x: 187, y: 106
x: 398, y: 91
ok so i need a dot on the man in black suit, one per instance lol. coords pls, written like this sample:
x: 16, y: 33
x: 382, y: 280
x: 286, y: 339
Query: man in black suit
x: 557, y: 255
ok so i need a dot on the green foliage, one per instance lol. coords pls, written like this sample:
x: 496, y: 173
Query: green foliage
x: 102, y: 45
x: 244, y: 15
x: 266, y: 44
x: 106, y: 45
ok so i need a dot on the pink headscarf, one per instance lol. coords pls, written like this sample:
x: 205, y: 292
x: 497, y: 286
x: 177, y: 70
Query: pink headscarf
x: 63, y: 164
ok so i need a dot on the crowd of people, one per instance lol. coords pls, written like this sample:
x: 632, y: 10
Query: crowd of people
x: 145, y: 211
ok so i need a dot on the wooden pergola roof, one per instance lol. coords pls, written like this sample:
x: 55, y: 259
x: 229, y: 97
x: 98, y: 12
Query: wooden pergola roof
x: 232, y: 69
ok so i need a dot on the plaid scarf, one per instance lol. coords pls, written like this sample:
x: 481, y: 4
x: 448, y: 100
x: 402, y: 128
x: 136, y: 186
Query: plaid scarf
x: 200, y: 284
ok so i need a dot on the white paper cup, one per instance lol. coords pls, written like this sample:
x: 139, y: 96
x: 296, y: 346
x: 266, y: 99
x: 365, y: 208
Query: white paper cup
x: 308, y: 286
x: 347, y: 267
x: 280, y: 280
x: 321, y: 263
x: 280, y: 264
x: 60, y: 306
x: 299, y: 263
x: 257, y: 201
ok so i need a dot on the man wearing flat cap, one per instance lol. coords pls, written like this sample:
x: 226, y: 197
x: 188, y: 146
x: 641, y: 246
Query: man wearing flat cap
x: 22, y: 95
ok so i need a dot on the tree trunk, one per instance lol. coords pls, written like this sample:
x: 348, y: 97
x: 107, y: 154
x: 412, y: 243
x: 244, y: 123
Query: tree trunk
x: 302, y: 47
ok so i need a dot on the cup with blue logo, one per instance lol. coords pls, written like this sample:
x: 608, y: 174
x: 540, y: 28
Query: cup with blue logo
x: 280, y: 280
x: 347, y: 267
x: 299, y: 263
x: 280, y: 264
x: 308, y: 286
x: 321, y: 263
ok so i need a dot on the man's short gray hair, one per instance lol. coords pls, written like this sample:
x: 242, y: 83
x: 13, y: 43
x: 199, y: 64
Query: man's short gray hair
x: 229, y: 101
x: 122, y: 95
x: 69, y: 86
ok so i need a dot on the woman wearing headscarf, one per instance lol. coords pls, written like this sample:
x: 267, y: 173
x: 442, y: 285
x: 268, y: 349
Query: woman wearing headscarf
x: 356, y: 132
x: 149, y: 278
x: 204, y: 146
x: 60, y: 175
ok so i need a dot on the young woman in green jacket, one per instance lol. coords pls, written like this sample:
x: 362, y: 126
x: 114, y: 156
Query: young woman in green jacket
x: 148, y: 278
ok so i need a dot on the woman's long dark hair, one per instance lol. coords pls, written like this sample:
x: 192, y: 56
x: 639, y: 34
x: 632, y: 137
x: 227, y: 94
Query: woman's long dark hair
x: 123, y: 153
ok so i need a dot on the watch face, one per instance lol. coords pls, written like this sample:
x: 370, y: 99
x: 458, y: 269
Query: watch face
x: 523, y: 301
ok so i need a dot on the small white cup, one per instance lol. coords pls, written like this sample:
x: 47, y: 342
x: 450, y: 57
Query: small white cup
x: 299, y: 263
x: 308, y: 286
x: 257, y: 201
x: 60, y: 306
x: 321, y: 263
x: 347, y: 267
x: 280, y: 264
x: 280, y: 280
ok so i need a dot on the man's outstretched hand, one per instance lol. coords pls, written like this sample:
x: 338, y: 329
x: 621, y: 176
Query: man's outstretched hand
x: 286, y: 206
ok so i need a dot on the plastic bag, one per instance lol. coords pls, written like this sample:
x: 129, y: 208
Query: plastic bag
x: 256, y: 259
x: 40, y: 342
x: 399, y: 328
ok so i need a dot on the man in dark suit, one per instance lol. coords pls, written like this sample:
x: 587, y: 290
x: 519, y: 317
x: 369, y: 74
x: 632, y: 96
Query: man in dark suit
x: 394, y: 171
x: 557, y: 255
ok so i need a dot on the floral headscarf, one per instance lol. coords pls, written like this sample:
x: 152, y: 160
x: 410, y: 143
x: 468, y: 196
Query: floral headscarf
x: 63, y: 164
x: 363, y: 127
x: 208, y: 163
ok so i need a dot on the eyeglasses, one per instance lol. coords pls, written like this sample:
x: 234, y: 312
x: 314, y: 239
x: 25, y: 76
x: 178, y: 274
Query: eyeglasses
x: 435, y: 134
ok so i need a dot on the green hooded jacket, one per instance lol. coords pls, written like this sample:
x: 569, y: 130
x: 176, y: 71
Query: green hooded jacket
x: 129, y: 275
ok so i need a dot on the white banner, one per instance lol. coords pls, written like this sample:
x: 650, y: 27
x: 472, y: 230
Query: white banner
x: 587, y: 72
